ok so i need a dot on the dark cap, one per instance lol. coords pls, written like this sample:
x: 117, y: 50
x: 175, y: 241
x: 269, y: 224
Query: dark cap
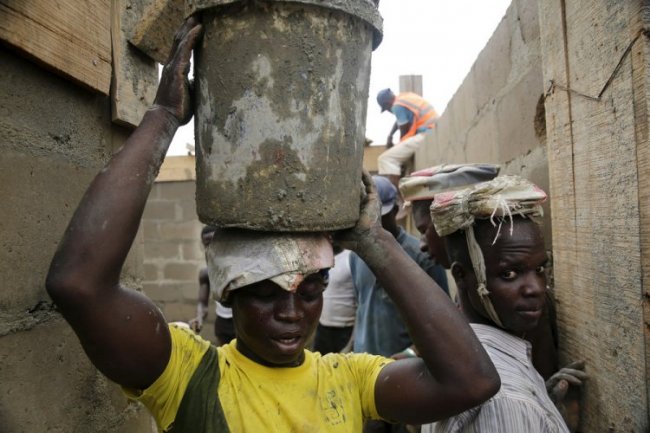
x: 385, y: 99
x: 387, y: 193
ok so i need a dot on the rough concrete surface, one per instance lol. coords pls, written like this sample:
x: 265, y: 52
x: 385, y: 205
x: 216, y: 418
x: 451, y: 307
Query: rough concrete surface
x: 49, y: 385
x: 54, y: 136
x: 173, y: 254
x: 282, y: 148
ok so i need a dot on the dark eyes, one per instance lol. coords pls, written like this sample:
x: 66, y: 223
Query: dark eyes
x: 311, y: 289
x: 512, y: 274
x: 261, y: 292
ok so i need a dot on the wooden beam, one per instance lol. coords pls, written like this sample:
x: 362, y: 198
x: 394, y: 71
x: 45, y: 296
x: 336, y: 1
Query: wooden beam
x: 154, y: 32
x: 71, y: 37
x: 135, y: 76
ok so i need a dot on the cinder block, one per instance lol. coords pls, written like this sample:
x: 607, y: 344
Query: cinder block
x: 193, y: 251
x: 161, y: 249
x: 451, y: 141
x: 48, y: 384
x: 188, y: 230
x: 187, y: 210
x: 42, y: 194
x: 179, y: 311
x: 515, y: 116
x: 527, y: 13
x: 190, y: 291
x: 151, y: 272
x: 161, y: 292
x: 133, y: 268
x: 180, y: 271
x: 184, y: 190
x: 482, y: 142
x: 492, y: 67
x: 157, y: 210
x: 150, y: 230
x: 154, y: 33
x: 156, y: 191
x: 465, y: 106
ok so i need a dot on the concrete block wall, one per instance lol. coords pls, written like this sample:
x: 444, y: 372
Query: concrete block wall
x: 497, y: 115
x: 173, y: 254
x: 54, y: 137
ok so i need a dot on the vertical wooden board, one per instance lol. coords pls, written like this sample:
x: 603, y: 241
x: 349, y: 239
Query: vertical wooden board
x: 641, y: 77
x: 560, y: 163
x: 135, y: 76
x: 608, y: 256
x: 598, y: 33
x: 593, y: 149
x: 71, y: 37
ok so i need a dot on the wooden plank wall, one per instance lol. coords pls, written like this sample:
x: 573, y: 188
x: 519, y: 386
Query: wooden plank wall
x: 70, y: 36
x: 135, y: 76
x: 600, y: 191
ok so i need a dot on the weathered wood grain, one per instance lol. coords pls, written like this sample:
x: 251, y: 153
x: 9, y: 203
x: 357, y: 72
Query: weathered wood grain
x: 135, y: 76
x: 597, y: 186
x: 71, y: 37
x: 154, y: 32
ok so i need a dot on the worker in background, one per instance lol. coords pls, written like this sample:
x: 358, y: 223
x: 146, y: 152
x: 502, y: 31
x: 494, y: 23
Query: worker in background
x: 334, y: 332
x: 499, y: 264
x: 224, y: 330
x: 419, y: 188
x: 264, y: 380
x: 413, y: 117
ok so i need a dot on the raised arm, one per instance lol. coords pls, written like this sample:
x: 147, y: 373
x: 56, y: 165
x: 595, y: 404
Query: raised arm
x: 121, y: 330
x: 454, y: 372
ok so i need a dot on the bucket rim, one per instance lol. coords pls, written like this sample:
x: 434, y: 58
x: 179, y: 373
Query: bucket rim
x: 362, y: 9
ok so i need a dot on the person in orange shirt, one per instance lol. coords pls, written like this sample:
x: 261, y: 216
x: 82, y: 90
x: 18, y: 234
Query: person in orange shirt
x: 413, y: 117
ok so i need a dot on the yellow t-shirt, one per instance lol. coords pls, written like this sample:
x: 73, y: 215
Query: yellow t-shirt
x: 332, y: 393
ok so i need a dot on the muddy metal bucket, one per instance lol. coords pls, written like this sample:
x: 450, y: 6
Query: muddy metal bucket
x: 281, y: 95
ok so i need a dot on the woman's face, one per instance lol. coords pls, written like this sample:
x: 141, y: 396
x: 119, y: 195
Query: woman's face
x: 515, y: 276
x: 273, y: 325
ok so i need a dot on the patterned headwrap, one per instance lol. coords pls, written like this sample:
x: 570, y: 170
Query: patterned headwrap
x: 497, y: 200
x: 424, y: 184
x: 238, y: 258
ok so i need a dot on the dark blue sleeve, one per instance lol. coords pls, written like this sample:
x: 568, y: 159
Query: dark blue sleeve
x: 402, y: 115
x: 439, y: 275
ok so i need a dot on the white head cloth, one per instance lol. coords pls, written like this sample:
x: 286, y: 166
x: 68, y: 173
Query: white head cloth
x: 499, y: 198
x: 238, y: 258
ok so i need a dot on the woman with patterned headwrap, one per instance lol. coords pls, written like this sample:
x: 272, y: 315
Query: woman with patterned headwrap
x: 499, y: 264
